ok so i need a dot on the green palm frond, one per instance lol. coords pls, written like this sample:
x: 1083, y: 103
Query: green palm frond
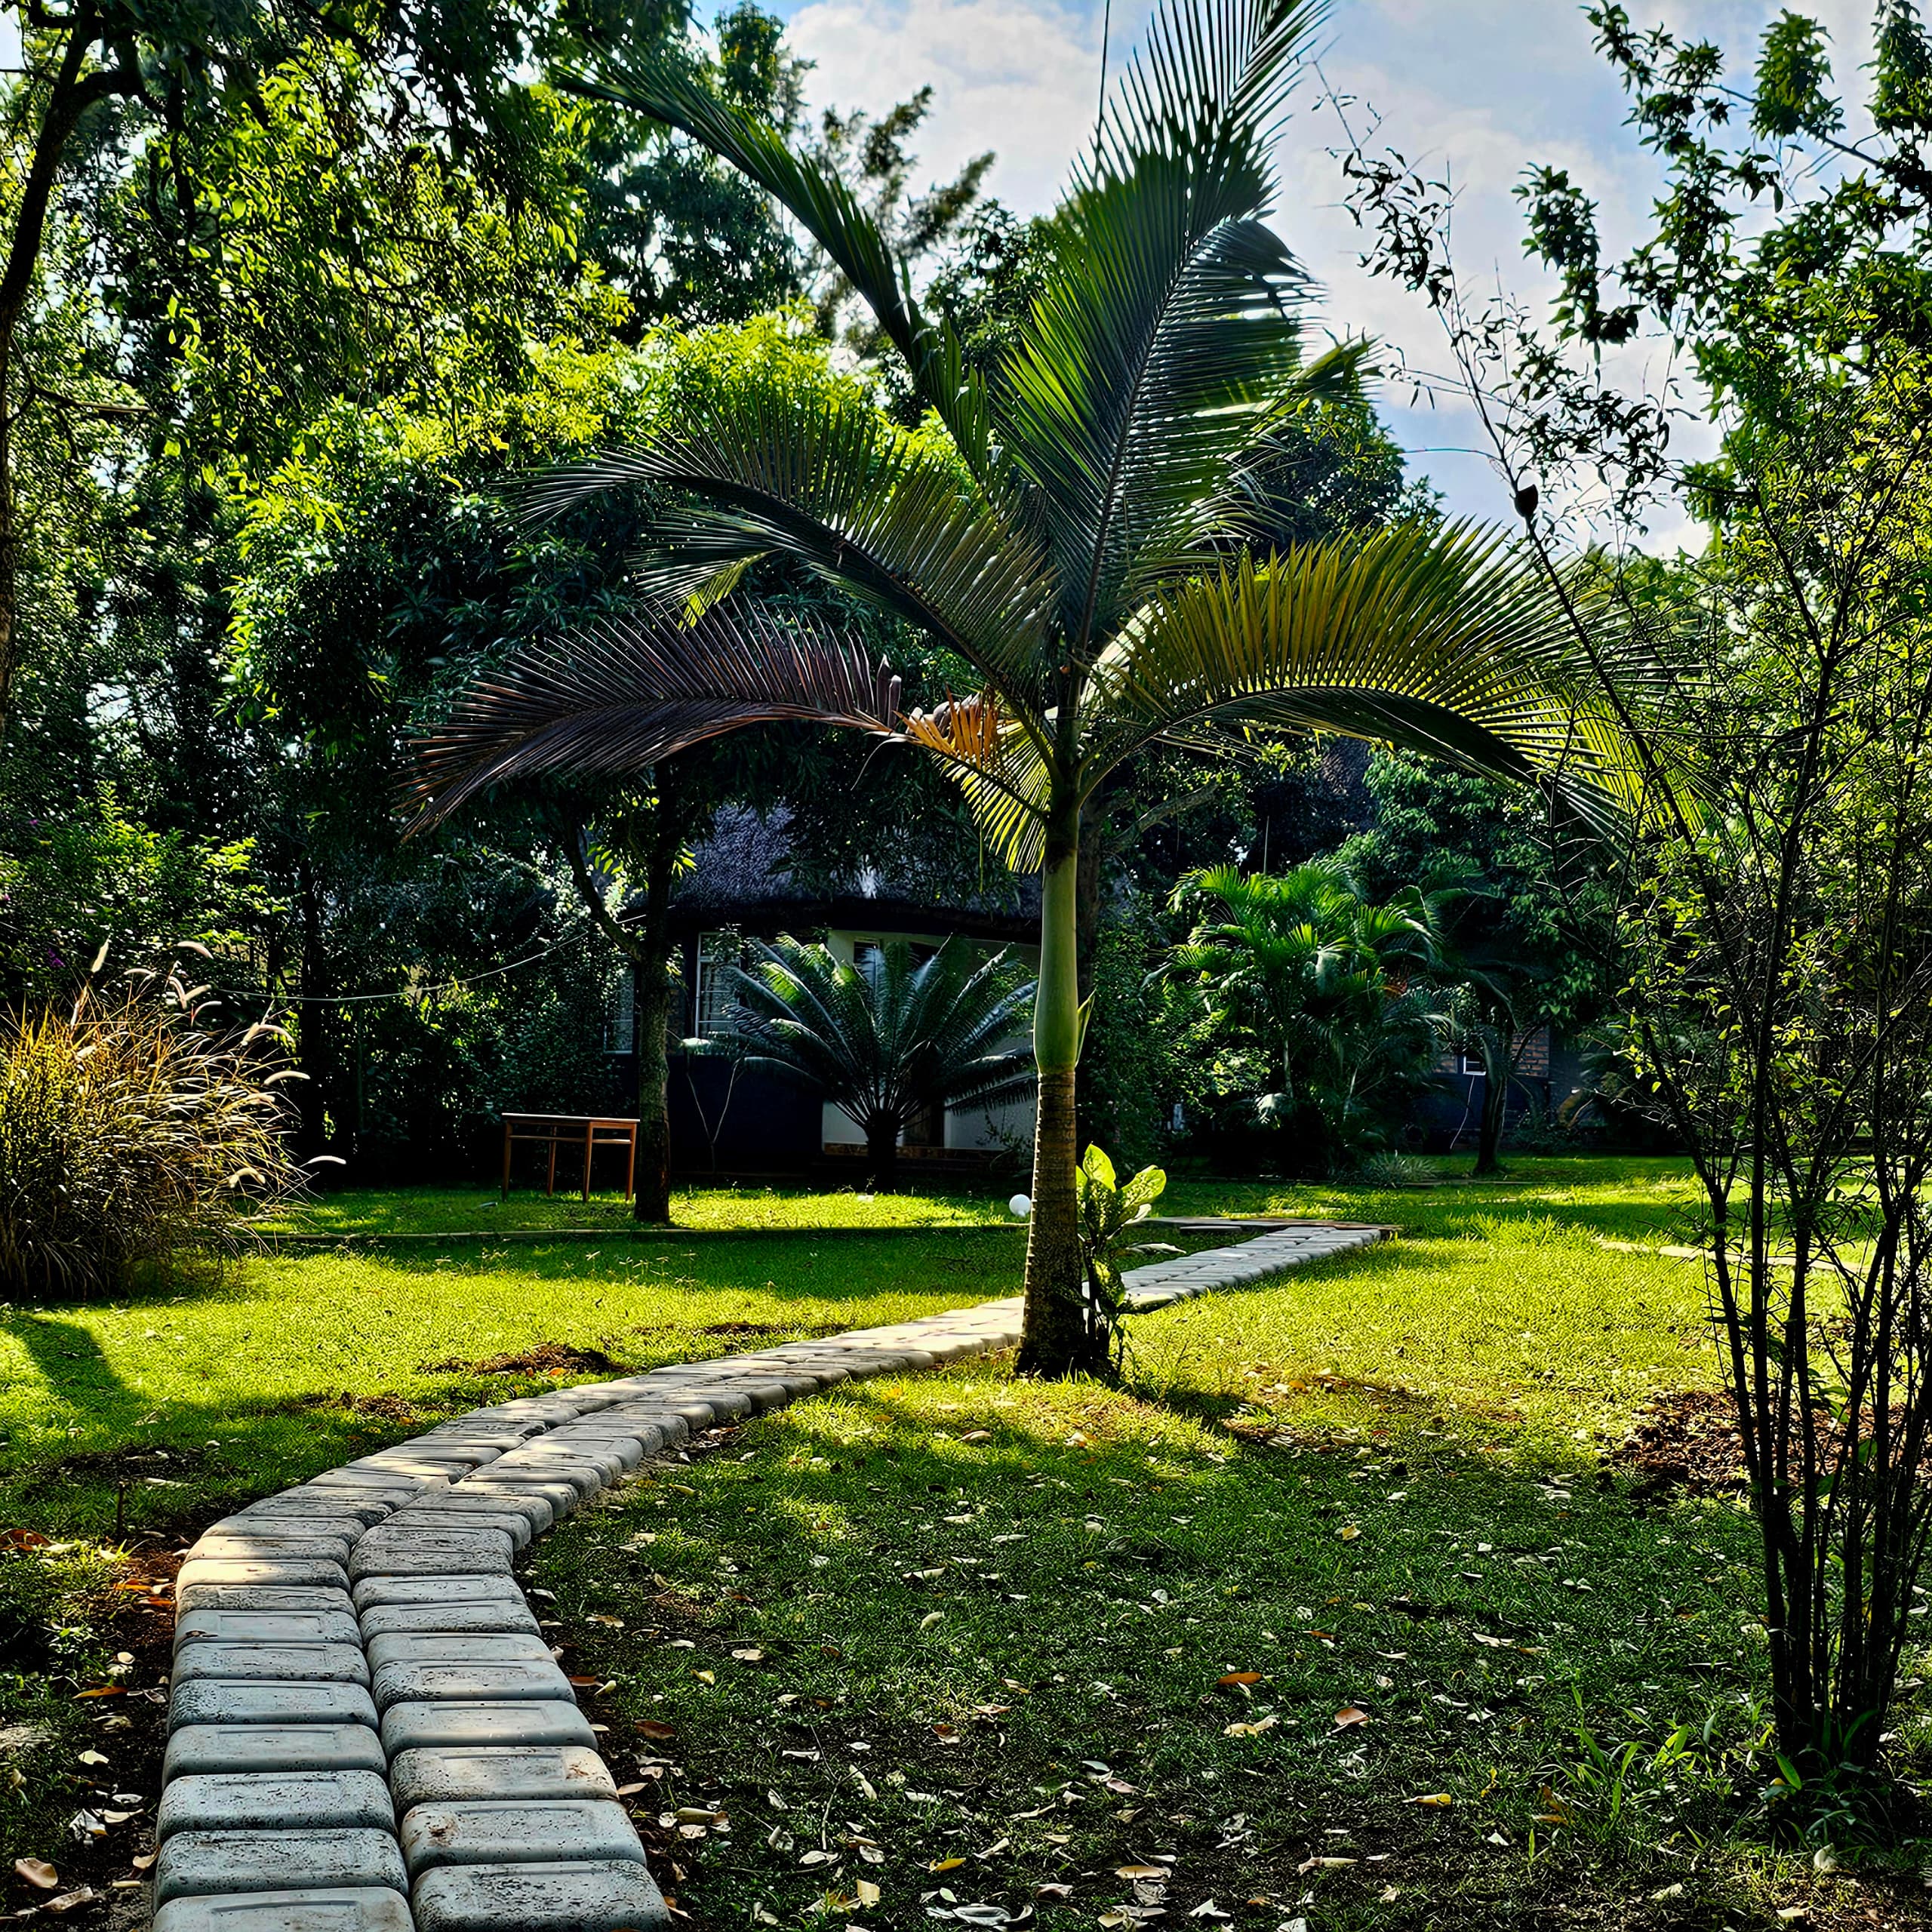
x: 1444, y: 641
x: 1168, y: 306
x: 824, y: 479
x: 663, y: 87
x: 626, y: 692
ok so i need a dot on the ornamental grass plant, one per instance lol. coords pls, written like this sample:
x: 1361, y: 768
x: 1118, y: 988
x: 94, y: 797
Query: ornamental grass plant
x: 133, y: 1127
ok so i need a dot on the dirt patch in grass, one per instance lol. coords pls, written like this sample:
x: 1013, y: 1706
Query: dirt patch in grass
x: 384, y: 1408
x: 546, y: 1358
x: 135, y: 1464
x: 1687, y: 1441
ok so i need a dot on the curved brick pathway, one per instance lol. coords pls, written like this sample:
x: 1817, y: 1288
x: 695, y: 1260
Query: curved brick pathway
x: 367, y: 1733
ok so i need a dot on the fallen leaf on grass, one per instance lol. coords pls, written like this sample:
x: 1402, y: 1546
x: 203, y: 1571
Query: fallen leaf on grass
x: 92, y: 1758
x: 1235, y: 1677
x: 1053, y: 1891
x: 1431, y: 1798
x: 1350, y: 1715
x: 103, y: 1690
x: 1348, y: 1532
x: 706, y: 1676
x: 611, y: 1622
x: 751, y: 1653
x: 23, y: 1539
x: 143, y: 1860
x: 37, y: 1871
x: 945, y: 1865
x: 1134, y: 1873
x: 1309, y: 1865
x: 867, y: 1892
x: 931, y: 1617
x: 67, y: 1901
x: 977, y: 1435
x: 659, y: 1733
x: 1253, y: 1729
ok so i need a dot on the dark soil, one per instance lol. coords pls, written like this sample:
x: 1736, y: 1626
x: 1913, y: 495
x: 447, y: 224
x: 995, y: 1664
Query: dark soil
x: 546, y: 1358
x: 1686, y: 1442
x: 103, y: 1874
x: 384, y: 1408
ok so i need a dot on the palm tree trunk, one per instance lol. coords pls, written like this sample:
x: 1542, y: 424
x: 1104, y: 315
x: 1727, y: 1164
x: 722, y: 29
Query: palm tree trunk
x: 882, y: 1155
x: 652, y: 964
x: 1054, y: 1337
x: 1495, y: 1102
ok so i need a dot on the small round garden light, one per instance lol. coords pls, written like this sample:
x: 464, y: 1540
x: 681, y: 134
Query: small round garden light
x: 1020, y: 1206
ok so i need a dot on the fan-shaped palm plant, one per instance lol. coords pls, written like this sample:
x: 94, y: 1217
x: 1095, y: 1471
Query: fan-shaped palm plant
x: 1063, y: 527
x: 887, y: 1039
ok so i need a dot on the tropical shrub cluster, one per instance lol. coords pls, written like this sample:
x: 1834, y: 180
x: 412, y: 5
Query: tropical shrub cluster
x: 133, y: 1127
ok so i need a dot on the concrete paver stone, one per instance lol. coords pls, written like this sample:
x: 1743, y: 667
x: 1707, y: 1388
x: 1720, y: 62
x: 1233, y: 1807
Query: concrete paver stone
x: 575, y: 1896
x: 530, y: 1682
x: 269, y: 1597
x: 513, y: 1831
x: 267, y: 1800
x: 457, y: 1647
x: 396, y: 1618
x: 499, y: 1770
x: 373, y: 1593
x: 272, y: 1747
x: 258, y: 1570
x: 336, y: 1625
x: 279, y: 1663
x: 192, y: 1864
x: 315, y: 1910
x: 477, y: 1516
x: 459, y: 1725
x: 217, y: 1701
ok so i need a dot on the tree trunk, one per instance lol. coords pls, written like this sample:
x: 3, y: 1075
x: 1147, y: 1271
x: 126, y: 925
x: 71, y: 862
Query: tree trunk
x: 882, y: 1156
x: 1057, y: 1337
x: 73, y: 91
x: 314, y: 1056
x: 652, y: 965
x: 1495, y: 1102
x: 650, y: 979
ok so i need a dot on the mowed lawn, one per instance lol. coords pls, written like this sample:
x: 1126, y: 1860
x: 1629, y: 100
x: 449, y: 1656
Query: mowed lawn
x: 1379, y: 1486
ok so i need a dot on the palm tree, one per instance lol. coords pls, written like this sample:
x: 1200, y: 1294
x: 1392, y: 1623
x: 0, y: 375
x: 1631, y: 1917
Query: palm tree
x: 1335, y: 985
x: 886, y: 1039
x: 1064, y: 527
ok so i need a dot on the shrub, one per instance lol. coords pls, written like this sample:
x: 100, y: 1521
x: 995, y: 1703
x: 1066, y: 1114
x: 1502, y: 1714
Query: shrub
x: 129, y: 1130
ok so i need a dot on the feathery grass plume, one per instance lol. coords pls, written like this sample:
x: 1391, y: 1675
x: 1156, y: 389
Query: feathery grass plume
x: 133, y: 1127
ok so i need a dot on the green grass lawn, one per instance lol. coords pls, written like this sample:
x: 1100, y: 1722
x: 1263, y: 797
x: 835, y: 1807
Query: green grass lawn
x: 1451, y: 1390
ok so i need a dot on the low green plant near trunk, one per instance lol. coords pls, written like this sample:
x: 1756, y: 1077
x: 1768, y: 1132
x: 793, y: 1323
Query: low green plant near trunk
x: 1070, y: 528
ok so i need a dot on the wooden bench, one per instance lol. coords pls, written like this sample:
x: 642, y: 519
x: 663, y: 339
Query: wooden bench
x: 591, y: 1130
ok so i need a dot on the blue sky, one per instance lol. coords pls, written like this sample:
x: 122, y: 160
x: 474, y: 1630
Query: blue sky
x: 1485, y: 87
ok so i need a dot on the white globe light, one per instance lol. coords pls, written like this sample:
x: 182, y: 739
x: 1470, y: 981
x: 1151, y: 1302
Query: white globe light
x: 1020, y: 1206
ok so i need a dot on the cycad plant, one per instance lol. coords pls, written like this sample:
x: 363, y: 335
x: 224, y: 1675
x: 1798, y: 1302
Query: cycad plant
x: 886, y: 1039
x: 1067, y: 525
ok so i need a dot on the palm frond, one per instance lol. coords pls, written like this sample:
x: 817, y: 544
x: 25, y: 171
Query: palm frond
x: 999, y: 766
x: 823, y: 479
x: 1168, y: 311
x: 664, y: 87
x: 1448, y: 641
x: 626, y: 692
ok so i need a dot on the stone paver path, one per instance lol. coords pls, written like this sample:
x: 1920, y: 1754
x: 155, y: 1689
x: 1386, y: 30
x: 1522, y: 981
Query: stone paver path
x: 367, y: 1731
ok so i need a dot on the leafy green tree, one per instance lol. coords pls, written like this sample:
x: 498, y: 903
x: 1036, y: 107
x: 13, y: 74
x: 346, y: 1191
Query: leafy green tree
x: 1774, y: 897
x: 889, y: 1038
x: 1047, y: 530
x: 1336, y: 989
